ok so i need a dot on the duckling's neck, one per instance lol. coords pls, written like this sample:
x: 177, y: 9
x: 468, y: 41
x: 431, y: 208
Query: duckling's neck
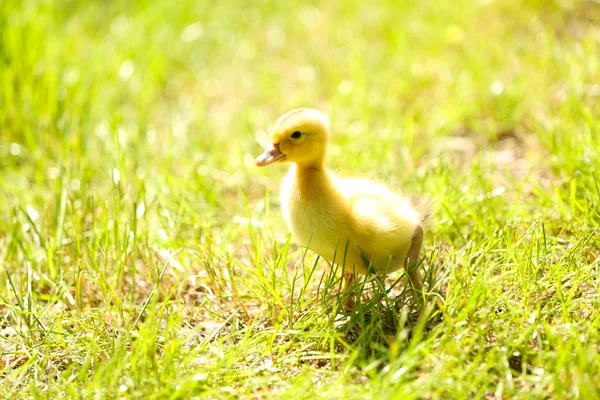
x: 312, y: 178
x: 311, y: 166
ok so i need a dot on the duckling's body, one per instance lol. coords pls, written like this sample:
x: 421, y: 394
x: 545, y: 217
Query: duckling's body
x: 349, y: 219
x: 356, y: 223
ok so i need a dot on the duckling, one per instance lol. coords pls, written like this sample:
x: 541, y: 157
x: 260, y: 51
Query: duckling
x: 361, y: 225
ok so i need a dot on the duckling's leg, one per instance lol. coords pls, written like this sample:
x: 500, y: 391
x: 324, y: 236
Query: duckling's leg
x: 350, y: 303
x: 353, y: 264
x: 412, y: 260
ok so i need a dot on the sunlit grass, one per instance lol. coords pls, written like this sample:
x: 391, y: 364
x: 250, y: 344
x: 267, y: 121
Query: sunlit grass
x: 143, y: 255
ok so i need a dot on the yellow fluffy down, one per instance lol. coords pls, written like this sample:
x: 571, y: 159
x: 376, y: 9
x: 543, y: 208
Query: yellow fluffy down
x: 357, y: 223
x: 358, y: 217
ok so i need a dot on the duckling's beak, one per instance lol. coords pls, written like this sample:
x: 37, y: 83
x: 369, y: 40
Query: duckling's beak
x: 271, y: 155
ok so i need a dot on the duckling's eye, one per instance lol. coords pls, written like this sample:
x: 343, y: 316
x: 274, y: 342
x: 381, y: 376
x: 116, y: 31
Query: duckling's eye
x: 296, y: 135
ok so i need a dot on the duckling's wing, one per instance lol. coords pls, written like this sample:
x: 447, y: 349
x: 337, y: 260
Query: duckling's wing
x: 356, y: 187
x: 383, y: 222
x: 374, y: 208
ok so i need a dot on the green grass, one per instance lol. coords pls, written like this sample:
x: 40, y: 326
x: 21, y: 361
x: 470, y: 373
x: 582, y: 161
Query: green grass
x: 143, y: 254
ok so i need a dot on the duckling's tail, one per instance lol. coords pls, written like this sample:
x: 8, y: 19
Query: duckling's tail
x: 425, y: 209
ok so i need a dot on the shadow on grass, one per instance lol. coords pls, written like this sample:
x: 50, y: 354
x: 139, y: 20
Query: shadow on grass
x: 386, y: 313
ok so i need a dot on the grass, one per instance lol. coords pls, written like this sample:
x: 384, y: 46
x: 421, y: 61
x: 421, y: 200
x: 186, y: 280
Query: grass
x: 143, y: 255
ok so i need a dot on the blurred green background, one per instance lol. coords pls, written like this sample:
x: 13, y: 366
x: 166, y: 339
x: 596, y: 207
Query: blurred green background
x: 128, y: 131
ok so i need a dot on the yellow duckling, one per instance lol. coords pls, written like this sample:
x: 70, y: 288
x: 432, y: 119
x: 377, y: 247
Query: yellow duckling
x: 356, y: 220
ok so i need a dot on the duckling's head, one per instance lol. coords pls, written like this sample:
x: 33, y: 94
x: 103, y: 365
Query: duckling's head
x: 299, y: 136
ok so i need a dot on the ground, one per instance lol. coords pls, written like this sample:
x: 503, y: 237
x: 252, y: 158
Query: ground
x: 143, y: 254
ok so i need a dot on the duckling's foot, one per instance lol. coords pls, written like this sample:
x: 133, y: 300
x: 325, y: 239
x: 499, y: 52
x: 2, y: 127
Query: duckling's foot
x: 349, y: 306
